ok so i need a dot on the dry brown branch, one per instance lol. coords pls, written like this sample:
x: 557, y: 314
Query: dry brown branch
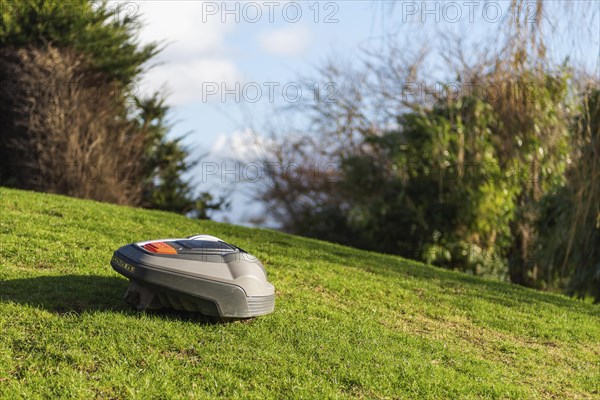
x: 67, y: 127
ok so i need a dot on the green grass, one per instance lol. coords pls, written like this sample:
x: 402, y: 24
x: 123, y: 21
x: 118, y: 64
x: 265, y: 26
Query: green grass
x: 347, y: 323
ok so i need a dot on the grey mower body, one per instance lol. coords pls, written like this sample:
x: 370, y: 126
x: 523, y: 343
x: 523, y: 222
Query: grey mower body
x: 200, y: 273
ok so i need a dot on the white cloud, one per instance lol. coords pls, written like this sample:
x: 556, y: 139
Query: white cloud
x: 184, y: 81
x: 244, y: 146
x: 290, y: 41
x: 195, y: 50
x: 181, y: 25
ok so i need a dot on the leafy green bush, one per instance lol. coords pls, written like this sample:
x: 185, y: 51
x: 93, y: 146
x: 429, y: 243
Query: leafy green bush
x: 99, y: 53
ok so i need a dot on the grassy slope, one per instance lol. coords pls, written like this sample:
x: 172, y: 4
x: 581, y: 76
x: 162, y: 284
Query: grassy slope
x: 347, y: 322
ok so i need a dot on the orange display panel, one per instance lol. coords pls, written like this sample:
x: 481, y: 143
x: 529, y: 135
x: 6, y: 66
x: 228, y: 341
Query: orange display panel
x: 160, y: 248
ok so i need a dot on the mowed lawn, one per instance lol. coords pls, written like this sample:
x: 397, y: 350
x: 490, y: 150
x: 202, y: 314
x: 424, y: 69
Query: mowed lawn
x: 347, y: 323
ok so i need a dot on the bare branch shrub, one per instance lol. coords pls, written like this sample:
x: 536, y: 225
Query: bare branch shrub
x: 65, y: 128
x: 494, y: 118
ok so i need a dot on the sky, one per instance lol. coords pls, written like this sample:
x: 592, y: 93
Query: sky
x: 228, y: 66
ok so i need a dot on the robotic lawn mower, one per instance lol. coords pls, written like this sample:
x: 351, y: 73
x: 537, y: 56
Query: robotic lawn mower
x: 200, y: 273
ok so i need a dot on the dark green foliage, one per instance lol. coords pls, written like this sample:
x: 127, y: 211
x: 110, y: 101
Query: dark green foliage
x: 456, y: 185
x: 537, y: 122
x: 92, y: 28
x: 432, y: 190
x: 486, y: 177
x: 164, y: 163
x: 569, y: 244
x: 102, y: 37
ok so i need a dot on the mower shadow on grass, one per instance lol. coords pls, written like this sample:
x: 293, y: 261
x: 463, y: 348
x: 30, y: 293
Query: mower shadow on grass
x: 65, y: 294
